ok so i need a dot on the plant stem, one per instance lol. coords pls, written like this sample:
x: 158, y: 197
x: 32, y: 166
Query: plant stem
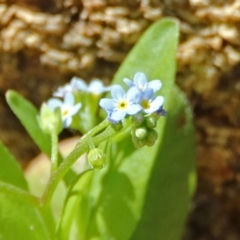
x: 98, y: 128
x: 54, y: 151
x: 81, y: 147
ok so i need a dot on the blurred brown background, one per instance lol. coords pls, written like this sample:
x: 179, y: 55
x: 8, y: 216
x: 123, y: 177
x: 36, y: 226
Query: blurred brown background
x: 44, y: 43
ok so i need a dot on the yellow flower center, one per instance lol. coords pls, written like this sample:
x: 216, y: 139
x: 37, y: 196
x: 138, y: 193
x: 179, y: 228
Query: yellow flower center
x: 122, y: 105
x: 145, y: 104
x: 65, y: 112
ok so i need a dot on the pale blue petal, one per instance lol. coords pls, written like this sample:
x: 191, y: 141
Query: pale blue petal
x: 159, y: 100
x: 79, y: 84
x: 107, y: 104
x: 117, y: 92
x: 61, y: 91
x: 75, y: 109
x: 133, y: 95
x: 155, y: 85
x: 67, y: 122
x: 69, y: 99
x: 147, y: 93
x: 140, y: 80
x: 54, y: 103
x: 118, y: 115
x: 97, y: 87
x: 156, y: 104
x: 133, y: 109
x: 128, y: 82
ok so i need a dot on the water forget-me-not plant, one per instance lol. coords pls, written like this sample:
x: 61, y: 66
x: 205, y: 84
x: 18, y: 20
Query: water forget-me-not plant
x: 139, y: 103
x: 115, y: 190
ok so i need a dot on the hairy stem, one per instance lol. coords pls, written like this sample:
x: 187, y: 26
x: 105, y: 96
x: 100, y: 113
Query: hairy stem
x: 81, y: 147
x: 54, y: 151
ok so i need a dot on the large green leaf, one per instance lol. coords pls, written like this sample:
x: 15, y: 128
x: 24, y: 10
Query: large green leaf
x: 172, y: 180
x: 139, y: 187
x: 10, y: 170
x: 27, y: 114
x: 19, y: 216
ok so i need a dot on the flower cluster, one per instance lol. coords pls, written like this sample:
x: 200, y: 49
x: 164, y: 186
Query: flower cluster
x: 95, y: 87
x: 139, y: 98
x: 67, y: 106
x: 66, y: 98
x: 75, y: 105
x: 140, y: 103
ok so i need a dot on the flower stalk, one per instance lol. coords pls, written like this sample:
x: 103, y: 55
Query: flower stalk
x: 81, y: 147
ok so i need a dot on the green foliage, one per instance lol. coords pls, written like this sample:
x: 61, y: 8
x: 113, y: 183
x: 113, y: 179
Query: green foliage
x: 28, y: 115
x: 137, y: 192
x: 10, y: 170
x: 141, y: 193
x: 169, y: 190
x: 19, y: 216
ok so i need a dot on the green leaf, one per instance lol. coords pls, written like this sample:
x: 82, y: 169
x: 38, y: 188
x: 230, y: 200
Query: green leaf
x: 19, y: 216
x: 75, y: 193
x: 28, y: 114
x: 154, y: 54
x: 172, y: 182
x: 10, y: 170
x: 148, y: 189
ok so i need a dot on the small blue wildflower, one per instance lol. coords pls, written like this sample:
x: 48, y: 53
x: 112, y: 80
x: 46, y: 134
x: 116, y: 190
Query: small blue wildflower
x: 95, y: 87
x: 121, y: 103
x: 141, y: 82
x: 149, y: 103
x: 67, y: 107
x: 70, y: 87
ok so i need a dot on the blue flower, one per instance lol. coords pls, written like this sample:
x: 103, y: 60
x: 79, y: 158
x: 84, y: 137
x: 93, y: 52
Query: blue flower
x: 121, y: 103
x: 67, y: 107
x: 70, y: 87
x: 141, y: 82
x: 95, y: 87
x: 149, y: 103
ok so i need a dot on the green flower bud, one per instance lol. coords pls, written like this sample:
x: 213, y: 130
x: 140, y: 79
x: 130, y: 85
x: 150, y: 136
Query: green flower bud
x: 117, y: 126
x: 138, y: 119
x: 50, y: 120
x: 138, y: 143
x: 151, y: 137
x: 141, y: 133
x: 97, y: 158
x: 151, y: 122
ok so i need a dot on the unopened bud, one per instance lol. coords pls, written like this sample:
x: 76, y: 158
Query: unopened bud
x: 49, y: 119
x: 97, y: 158
x: 151, y: 137
x: 138, y: 143
x: 141, y: 133
x: 137, y: 119
x: 151, y: 122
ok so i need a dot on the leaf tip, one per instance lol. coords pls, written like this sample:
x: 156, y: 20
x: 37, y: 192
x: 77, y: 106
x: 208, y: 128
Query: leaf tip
x: 9, y: 94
